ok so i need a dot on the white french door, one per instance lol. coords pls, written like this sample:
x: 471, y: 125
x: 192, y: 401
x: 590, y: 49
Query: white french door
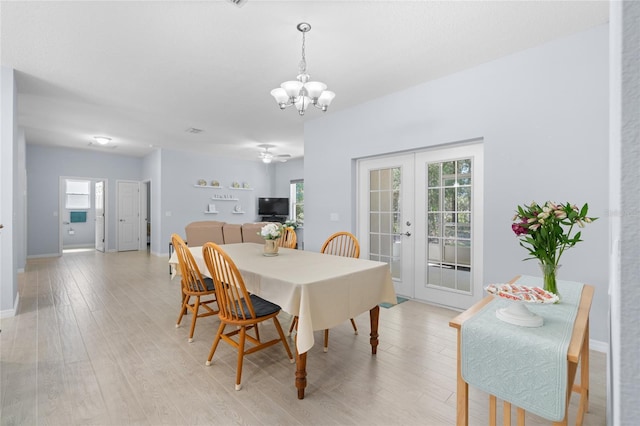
x: 386, y: 211
x: 422, y: 213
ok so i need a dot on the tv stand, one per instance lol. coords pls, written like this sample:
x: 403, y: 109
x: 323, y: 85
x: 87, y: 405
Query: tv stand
x: 274, y: 218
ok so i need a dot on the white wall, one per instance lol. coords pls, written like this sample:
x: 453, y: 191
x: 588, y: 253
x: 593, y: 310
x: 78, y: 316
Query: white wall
x: 543, y: 115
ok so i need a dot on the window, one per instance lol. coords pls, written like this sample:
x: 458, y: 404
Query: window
x: 296, y: 194
x: 77, y: 194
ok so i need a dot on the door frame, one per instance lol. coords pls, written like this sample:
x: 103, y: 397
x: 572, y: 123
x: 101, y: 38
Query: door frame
x: 61, y: 204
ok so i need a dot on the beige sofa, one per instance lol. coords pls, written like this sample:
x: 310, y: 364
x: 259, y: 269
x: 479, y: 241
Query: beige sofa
x: 198, y: 233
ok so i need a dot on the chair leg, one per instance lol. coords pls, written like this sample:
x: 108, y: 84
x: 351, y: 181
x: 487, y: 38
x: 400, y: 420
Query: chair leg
x: 355, y: 328
x: 326, y: 340
x: 196, y: 308
x: 294, y: 324
x: 243, y: 335
x: 215, y: 343
x: 183, y: 309
x: 283, y: 340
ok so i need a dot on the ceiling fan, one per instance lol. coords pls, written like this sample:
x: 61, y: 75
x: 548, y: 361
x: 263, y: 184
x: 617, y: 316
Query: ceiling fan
x: 267, y: 156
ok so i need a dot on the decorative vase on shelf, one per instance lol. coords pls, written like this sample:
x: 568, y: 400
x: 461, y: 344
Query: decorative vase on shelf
x: 549, y: 274
x: 270, y: 247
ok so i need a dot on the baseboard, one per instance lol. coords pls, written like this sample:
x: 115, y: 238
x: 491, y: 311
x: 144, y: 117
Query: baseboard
x: 11, y: 312
x: 38, y: 256
x: 598, y: 346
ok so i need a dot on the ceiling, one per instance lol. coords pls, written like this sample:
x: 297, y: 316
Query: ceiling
x: 144, y: 72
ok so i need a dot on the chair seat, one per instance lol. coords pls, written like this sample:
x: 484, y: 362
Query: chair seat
x: 261, y: 307
x: 209, y: 283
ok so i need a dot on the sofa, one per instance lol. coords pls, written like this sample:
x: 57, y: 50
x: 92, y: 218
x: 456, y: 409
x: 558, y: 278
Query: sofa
x: 198, y: 233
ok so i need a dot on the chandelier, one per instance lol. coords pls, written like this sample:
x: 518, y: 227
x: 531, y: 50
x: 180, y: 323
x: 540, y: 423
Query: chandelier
x: 302, y: 92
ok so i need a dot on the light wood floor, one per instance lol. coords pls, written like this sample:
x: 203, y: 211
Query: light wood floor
x: 94, y: 342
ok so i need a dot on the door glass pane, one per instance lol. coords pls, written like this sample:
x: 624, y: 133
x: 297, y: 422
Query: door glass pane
x: 449, y: 228
x: 385, y: 216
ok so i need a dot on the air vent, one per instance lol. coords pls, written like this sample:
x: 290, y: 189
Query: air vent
x: 194, y: 130
x: 238, y: 3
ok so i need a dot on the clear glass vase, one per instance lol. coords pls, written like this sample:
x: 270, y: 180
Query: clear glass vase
x: 549, y: 274
x: 270, y: 247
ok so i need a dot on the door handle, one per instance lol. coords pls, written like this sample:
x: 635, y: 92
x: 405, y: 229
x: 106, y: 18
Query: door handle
x: 407, y: 234
x: 121, y: 220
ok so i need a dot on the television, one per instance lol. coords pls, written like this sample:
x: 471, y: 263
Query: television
x: 273, y: 206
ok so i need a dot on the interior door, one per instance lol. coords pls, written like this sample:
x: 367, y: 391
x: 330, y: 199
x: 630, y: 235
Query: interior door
x: 449, y: 201
x: 100, y: 222
x: 385, y: 211
x: 128, y: 197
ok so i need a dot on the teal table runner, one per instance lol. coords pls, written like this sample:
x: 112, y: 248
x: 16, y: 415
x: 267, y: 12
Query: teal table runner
x: 525, y: 366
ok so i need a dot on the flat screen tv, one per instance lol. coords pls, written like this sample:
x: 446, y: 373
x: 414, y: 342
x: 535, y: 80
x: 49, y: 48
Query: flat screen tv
x: 273, y: 206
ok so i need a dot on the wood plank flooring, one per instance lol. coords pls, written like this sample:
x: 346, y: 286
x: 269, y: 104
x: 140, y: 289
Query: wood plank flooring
x: 94, y: 342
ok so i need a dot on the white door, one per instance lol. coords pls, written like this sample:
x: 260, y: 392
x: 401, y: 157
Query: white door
x: 99, y: 203
x: 128, y: 198
x: 385, y: 211
x: 449, y: 203
x: 426, y: 225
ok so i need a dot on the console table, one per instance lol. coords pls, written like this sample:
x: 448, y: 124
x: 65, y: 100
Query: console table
x: 578, y: 350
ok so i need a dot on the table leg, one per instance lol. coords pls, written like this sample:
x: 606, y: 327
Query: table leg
x: 462, y: 391
x: 583, y: 389
x: 301, y: 373
x: 506, y: 413
x: 374, y: 315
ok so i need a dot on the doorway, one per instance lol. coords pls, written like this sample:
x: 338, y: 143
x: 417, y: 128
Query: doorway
x: 421, y: 212
x: 78, y: 211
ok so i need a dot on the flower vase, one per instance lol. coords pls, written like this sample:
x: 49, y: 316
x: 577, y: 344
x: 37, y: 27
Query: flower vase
x: 270, y: 247
x: 549, y: 274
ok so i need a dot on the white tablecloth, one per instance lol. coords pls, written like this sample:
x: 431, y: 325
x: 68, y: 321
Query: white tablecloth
x: 322, y: 290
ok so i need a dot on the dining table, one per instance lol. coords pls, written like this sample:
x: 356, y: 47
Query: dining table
x: 321, y: 290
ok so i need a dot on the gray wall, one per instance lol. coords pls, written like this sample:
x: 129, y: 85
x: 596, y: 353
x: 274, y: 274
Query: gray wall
x: 543, y: 115
x: 181, y: 202
x: 9, y: 235
x: 45, y: 165
x: 624, y: 368
x: 285, y: 173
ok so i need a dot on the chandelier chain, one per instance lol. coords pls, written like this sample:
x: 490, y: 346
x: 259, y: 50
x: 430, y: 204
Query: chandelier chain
x: 303, y: 61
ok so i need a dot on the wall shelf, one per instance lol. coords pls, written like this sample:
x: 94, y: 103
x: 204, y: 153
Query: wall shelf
x: 208, y: 186
x: 238, y: 212
x: 241, y: 188
x: 225, y: 199
x: 208, y: 212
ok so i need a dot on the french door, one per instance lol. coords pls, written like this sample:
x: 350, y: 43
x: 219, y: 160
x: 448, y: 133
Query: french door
x: 422, y: 214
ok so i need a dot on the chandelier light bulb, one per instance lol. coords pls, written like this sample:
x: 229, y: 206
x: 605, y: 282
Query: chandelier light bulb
x: 302, y: 92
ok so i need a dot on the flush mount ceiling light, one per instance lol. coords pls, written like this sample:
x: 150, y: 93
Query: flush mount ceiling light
x: 102, y: 140
x: 302, y: 92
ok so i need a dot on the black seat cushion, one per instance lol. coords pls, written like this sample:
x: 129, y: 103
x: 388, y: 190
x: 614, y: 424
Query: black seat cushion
x: 260, y: 306
x: 208, y: 282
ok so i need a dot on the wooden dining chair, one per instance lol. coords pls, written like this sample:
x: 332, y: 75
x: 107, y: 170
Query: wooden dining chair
x: 289, y: 238
x: 194, y: 285
x: 239, y: 309
x: 339, y: 244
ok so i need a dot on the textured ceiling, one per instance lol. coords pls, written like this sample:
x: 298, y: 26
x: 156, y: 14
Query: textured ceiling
x: 144, y: 72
